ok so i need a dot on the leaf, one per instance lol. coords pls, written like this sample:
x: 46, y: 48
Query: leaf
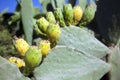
x: 64, y: 63
x: 10, y: 71
x: 114, y: 60
x: 27, y: 13
x: 82, y: 40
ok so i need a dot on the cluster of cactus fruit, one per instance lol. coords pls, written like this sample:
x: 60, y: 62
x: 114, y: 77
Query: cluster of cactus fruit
x: 66, y: 17
x: 49, y: 26
x: 31, y: 56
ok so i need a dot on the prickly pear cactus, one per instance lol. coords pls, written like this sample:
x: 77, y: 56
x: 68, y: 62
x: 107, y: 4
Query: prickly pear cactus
x: 59, y: 16
x: 42, y: 24
x: 68, y: 13
x: 72, y: 54
x: 50, y: 17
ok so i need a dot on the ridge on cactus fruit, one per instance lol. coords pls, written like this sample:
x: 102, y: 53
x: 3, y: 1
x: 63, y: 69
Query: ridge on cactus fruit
x: 59, y: 16
x: 42, y: 24
x: 68, y: 14
x: 21, y: 45
x: 50, y: 17
x: 33, y: 57
x: 44, y: 45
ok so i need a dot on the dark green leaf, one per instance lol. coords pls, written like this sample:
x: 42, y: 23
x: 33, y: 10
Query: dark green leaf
x: 27, y: 13
x: 82, y: 40
x: 64, y: 63
x: 10, y: 71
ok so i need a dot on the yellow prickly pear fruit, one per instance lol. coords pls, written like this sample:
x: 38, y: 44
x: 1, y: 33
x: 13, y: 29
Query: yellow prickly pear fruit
x: 33, y: 57
x: 77, y: 14
x: 53, y: 32
x: 21, y: 45
x: 50, y: 17
x: 17, y: 61
x: 44, y: 46
x: 68, y: 13
x: 42, y: 24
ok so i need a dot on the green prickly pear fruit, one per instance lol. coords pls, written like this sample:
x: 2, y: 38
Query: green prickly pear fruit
x: 68, y: 13
x: 42, y: 24
x: 53, y: 32
x: 88, y: 15
x: 33, y: 57
x: 59, y: 16
x: 77, y: 14
x: 50, y: 17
